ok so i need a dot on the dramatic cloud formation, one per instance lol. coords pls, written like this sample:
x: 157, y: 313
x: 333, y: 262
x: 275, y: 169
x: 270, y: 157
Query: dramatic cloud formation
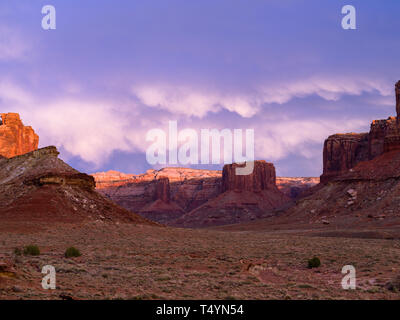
x: 280, y: 138
x: 94, y: 88
x: 327, y: 87
x: 94, y: 129
x: 199, y: 102
x: 192, y: 102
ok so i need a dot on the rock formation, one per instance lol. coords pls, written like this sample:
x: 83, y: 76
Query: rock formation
x: 262, y: 178
x: 15, y: 138
x: 369, y: 194
x: 243, y: 198
x: 343, y: 152
x: 295, y: 187
x: 162, y: 209
x: 37, y: 186
x: 160, y: 195
x: 363, y: 172
x: 188, y: 189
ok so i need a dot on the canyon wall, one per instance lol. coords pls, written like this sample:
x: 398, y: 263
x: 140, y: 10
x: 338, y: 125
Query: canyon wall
x: 188, y: 188
x: 243, y: 198
x: 342, y: 152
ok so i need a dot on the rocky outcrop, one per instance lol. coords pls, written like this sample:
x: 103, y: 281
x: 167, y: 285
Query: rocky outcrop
x: 367, y: 195
x: 188, y: 188
x: 295, y: 187
x: 160, y: 195
x: 243, y: 198
x: 363, y: 172
x: 343, y: 152
x: 15, y: 138
x: 162, y: 209
x: 262, y: 178
x: 162, y: 191
x: 38, y: 186
x: 383, y: 137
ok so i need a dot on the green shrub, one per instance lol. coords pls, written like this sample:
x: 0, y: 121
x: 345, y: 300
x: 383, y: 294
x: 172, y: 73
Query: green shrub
x: 17, y: 251
x: 72, y: 252
x: 314, y: 263
x: 31, y: 250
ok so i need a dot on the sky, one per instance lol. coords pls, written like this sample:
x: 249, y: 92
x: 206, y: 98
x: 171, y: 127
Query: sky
x: 113, y: 70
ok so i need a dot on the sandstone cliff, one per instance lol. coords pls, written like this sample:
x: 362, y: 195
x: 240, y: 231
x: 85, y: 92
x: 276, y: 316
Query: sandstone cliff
x: 15, y: 138
x: 361, y: 180
x: 343, y: 152
x: 243, y: 198
x: 160, y: 195
x: 161, y: 209
x: 295, y: 187
x: 262, y: 178
x: 188, y: 189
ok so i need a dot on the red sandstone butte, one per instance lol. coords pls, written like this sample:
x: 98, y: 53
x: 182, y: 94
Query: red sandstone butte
x: 343, y: 152
x: 150, y: 195
x: 360, y: 184
x: 262, y: 178
x: 15, y: 138
x: 243, y: 198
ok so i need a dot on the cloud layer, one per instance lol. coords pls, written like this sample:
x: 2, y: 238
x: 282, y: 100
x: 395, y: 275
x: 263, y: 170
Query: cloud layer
x: 199, y: 102
x: 111, y: 72
x: 93, y: 129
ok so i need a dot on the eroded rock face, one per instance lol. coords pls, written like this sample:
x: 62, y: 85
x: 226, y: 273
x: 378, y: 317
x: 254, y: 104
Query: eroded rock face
x: 382, y: 136
x: 262, y: 178
x: 188, y: 188
x: 295, y: 187
x: 162, y: 190
x: 15, y: 138
x: 342, y: 152
x: 368, y: 195
x: 243, y: 198
x: 364, y: 179
x: 160, y: 195
x: 38, y: 186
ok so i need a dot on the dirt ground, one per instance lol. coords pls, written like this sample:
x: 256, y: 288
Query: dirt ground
x: 125, y: 261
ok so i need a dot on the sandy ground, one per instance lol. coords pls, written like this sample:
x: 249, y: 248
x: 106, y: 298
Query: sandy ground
x: 124, y: 261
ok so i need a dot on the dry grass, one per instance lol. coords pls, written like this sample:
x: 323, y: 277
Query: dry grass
x: 142, y: 262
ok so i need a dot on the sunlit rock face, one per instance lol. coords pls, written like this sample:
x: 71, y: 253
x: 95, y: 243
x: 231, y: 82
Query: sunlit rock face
x: 15, y: 138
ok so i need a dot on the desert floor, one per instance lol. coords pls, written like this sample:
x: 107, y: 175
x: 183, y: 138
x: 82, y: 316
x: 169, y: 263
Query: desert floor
x: 122, y: 261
